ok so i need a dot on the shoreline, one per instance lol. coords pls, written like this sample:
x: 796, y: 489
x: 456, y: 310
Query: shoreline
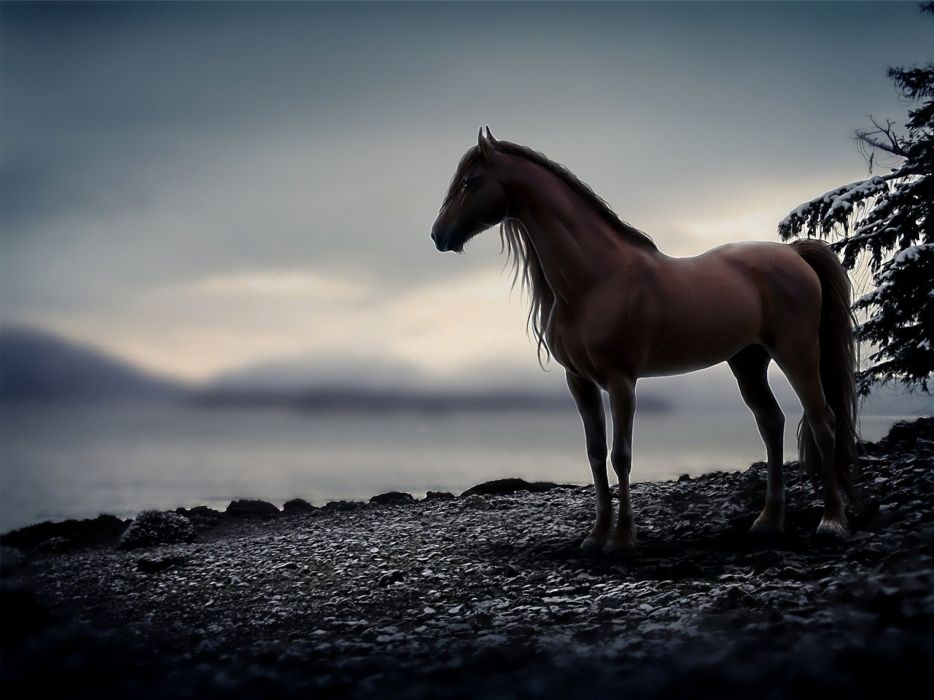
x: 185, y: 468
x: 487, y: 595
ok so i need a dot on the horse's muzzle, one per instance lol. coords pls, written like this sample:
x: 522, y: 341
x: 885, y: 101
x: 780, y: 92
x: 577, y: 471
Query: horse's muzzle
x: 441, y: 241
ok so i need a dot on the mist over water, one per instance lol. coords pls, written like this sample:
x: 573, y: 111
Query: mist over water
x: 62, y: 461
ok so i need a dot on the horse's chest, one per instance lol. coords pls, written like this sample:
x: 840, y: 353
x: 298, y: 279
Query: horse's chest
x: 583, y: 350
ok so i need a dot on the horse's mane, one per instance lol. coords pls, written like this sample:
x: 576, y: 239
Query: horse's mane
x: 526, y: 267
x: 606, y: 213
x: 515, y: 239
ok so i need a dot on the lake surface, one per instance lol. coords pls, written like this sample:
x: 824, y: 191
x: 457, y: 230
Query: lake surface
x: 63, y: 461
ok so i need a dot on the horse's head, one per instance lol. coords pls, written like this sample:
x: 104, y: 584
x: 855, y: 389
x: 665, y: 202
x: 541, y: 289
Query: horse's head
x: 476, y: 200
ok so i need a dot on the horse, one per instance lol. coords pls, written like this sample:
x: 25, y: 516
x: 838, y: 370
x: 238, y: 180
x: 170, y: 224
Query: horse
x: 611, y: 308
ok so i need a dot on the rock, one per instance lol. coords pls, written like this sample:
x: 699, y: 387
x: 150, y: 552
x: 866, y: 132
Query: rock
x: 904, y: 435
x: 298, y: 505
x: 153, y: 527
x: 475, y: 502
x: 501, y: 487
x: 342, y: 505
x: 202, y: 517
x: 684, y: 477
x: 104, y: 529
x: 390, y: 577
x: 392, y: 498
x: 439, y: 496
x: 248, y: 508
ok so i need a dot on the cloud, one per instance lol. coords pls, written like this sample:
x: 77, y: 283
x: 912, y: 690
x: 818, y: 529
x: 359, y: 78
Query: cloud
x: 202, y: 187
x: 284, y: 283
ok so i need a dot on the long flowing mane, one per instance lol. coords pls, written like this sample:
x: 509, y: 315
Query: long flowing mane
x: 515, y: 239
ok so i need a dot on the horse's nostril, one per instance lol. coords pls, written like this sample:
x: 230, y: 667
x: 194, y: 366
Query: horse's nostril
x: 434, y: 236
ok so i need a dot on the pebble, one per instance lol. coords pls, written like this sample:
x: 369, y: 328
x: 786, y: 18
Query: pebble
x: 430, y: 593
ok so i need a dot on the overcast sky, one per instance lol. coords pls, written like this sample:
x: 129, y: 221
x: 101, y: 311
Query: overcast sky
x: 201, y: 187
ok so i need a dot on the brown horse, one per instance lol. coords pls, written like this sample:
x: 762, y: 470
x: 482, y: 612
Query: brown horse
x: 611, y: 307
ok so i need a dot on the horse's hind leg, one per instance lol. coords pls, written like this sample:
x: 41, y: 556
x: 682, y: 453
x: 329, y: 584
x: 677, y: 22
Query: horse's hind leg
x: 590, y: 405
x: 750, y: 367
x: 622, y: 392
x: 802, y: 367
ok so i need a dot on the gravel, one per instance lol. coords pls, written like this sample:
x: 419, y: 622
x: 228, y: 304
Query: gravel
x: 487, y: 596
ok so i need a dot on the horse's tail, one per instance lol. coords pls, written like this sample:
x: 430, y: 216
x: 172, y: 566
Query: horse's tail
x: 838, y: 358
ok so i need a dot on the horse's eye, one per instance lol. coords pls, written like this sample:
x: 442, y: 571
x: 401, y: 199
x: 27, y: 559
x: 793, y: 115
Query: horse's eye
x: 465, y: 184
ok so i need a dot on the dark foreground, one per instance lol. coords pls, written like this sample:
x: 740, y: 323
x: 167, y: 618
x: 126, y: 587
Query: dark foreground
x: 487, y: 596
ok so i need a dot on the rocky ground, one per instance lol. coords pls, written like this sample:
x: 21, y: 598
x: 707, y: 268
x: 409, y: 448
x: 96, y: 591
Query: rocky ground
x: 486, y: 595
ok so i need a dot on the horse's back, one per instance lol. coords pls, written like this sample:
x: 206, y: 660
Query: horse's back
x: 780, y: 273
x: 710, y: 306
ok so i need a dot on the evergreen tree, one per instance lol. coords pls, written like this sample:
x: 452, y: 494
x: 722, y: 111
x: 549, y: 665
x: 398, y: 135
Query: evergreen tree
x: 888, y: 220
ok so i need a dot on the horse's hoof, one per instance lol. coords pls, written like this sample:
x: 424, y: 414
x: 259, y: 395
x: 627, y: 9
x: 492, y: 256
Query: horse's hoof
x: 831, y: 529
x: 592, y: 545
x: 766, y: 529
x: 620, y: 545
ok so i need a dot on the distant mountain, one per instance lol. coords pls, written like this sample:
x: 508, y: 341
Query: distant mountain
x: 337, y: 398
x: 38, y: 366
x: 380, y: 384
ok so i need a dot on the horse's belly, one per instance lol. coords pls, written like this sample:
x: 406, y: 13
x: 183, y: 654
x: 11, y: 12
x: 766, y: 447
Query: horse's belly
x: 702, y: 333
x: 663, y: 363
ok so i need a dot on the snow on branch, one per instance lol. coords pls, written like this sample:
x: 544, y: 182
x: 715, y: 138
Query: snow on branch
x: 912, y: 253
x: 821, y: 214
x: 834, y: 207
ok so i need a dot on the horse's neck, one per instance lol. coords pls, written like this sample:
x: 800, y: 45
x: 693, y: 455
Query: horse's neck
x: 574, y: 244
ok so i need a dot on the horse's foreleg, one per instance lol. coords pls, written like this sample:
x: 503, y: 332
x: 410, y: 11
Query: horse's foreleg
x: 750, y: 367
x: 590, y: 405
x: 623, y: 404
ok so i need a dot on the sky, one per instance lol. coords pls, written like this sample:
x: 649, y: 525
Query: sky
x: 201, y: 188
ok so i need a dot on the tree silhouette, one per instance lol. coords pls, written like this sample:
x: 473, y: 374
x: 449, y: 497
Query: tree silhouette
x: 888, y: 220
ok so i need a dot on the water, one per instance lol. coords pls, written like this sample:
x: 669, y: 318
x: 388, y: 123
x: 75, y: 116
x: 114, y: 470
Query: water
x: 77, y: 461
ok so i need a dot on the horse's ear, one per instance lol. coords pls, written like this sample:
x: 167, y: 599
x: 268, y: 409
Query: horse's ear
x: 486, y: 143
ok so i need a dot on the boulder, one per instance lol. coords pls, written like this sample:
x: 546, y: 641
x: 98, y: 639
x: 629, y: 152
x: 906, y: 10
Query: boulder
x: 905, y: 436
x: 247, y: 508
x: 439, y: 496
x: 153, y: 527
x: 298, y: 505
x: 202, y: 517
x: 392, y: 498
x: 502, y: 487
x: 342, y: 505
